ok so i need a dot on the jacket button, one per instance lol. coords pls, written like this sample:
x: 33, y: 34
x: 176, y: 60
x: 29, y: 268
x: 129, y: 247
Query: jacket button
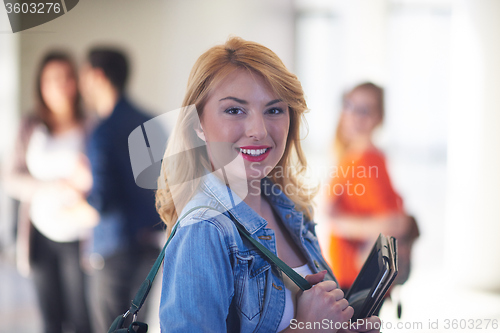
x: 288, y: 216
x: 316, y: 263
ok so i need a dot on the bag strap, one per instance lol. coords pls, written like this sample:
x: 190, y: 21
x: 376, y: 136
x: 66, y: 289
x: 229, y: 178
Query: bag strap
x: 143, y: 292
x: 293, y: 275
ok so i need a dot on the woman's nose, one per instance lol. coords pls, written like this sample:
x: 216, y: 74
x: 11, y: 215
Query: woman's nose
x: 256, y: 126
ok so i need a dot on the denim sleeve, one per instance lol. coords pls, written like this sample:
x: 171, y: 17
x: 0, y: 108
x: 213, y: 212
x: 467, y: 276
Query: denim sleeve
x: 198, y: 284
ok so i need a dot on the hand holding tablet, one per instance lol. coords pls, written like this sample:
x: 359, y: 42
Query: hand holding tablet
x: 375, y: 278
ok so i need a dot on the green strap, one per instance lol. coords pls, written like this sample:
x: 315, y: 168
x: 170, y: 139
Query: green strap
x: 143, y: 292
x: 293, y: 275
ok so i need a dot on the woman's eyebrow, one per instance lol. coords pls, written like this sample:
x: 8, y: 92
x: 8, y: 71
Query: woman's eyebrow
x: 274, y: 102
x: 241, y: 101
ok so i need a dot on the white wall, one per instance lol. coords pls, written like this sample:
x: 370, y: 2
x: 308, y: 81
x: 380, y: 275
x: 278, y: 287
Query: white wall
x: 191, y: 27
x: 129, y: 24
x: 164, y: 39
x: 9, y: 72
x: 472, y: 246
x: 9, y: 107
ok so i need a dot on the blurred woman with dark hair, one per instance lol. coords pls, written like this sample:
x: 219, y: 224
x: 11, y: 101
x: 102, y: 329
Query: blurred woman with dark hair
x: 48, y: 173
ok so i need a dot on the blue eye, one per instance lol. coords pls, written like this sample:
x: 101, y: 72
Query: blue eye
x: 233, y: 111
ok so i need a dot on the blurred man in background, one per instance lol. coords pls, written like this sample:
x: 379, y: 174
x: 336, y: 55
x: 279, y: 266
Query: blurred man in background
x: 124, y: 243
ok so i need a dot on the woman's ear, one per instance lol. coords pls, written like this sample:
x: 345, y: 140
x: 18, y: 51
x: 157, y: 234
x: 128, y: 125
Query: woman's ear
x: 199, y: 133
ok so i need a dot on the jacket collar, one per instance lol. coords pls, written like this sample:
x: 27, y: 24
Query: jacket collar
x: 215, y: 193
x: 230, y: 202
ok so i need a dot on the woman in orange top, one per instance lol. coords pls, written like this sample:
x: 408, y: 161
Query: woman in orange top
x: 362, y: 202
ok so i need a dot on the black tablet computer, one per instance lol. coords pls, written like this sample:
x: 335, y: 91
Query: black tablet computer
x: 374, y: 279
x: 392, y: 244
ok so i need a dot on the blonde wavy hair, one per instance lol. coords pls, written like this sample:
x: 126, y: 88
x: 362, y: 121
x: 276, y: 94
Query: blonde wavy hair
x: 208, y: 71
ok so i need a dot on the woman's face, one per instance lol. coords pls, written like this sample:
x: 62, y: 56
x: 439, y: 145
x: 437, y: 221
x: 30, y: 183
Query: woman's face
x: 361, y: 114
x: 243, y: 116
x: 58, y: 87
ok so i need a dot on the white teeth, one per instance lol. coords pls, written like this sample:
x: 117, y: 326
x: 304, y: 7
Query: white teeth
x: 253, y: 152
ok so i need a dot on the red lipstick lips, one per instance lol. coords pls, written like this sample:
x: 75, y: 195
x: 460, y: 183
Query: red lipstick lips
x: 249, y: 153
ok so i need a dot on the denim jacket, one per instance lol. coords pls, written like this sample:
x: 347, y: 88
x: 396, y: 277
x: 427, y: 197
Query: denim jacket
x: 216, y: 281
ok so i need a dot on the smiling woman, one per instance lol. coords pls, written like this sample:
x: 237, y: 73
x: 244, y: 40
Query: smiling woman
x: 237, y: 131
x: 255, y: 122
x: 209, y: 72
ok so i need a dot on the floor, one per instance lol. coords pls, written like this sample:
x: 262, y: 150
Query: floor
x: 19, y: 310
x: 430, y: 303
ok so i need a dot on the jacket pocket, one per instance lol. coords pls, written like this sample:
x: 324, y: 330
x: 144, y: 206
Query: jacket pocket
x: 250, y: 283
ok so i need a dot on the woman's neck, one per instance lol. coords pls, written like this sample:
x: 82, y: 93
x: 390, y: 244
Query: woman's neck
x: 63, y: 122
x: 362, y: 143
x: 254, y: 198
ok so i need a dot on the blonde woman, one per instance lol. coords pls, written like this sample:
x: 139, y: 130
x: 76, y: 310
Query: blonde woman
x: 235, y: 152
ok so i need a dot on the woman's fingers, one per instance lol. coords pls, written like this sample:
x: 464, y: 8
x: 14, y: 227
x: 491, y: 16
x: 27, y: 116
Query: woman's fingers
x: 338, y: 293
x: 343, y: 304
x: 324, y: 301
x: 327, y: 286
x: 315, y: 278
x: 349, y: 311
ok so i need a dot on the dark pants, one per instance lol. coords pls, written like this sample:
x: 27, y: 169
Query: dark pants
x: 115, y: 285
x: 59, y: 283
